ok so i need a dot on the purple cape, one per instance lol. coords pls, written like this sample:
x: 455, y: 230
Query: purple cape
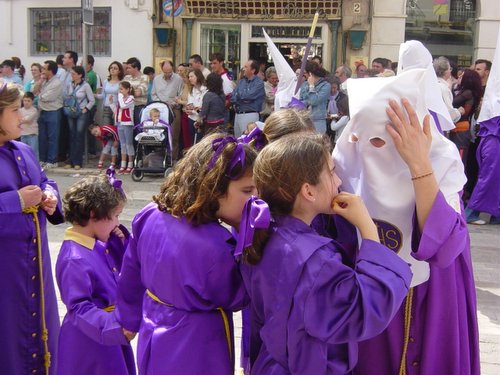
x: 91, y: 340
x: 192, y: 271
x: 21, y: 348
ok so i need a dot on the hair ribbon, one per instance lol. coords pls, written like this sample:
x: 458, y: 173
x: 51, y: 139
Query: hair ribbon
x: 116, y: 183
x: 255, y: 215
x: 257, y: 135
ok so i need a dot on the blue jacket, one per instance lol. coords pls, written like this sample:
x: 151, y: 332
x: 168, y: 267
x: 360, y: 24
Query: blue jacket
x: 316, y: 99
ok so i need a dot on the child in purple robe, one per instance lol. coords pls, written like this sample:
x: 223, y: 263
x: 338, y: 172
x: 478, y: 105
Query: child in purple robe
x: 308, y: 307
x: 91, y: 340
x: 180, y: 282
x: 29, y: 319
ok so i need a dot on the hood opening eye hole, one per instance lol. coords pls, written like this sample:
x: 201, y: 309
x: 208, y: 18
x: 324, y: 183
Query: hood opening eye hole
x: 353, y: 138
x: 377, y: 142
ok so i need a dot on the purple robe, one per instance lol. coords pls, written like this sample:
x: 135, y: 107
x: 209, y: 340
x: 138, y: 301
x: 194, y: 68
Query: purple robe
x: 91, y: 340
x: 192, y: 271
x: 486, y: 194
x: 443, y: 335
x: 21, y: 348
x: 309, y: 309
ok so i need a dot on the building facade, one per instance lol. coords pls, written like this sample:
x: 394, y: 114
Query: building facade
x: 155, y: 30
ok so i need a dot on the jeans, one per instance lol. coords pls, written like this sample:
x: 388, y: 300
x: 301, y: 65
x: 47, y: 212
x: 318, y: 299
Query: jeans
x: 126, y: 135
x: 77, y: 127
x: 32, y: 141
x: 107, y: 116
x: 48, y: 135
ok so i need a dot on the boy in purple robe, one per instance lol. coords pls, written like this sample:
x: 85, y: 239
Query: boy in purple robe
x: 180, y: 282
x: 308, y: 307
x: 91, y: 340
x: 29, y: 319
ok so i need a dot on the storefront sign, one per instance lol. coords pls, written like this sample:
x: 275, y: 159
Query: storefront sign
x: 284, y: 31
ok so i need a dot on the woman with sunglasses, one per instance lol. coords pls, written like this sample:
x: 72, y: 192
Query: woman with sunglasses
x: 180, y: 283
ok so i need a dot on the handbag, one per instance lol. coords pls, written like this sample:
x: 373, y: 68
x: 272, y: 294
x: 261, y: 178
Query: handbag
x: 71, y: 105
x: 461, y: 126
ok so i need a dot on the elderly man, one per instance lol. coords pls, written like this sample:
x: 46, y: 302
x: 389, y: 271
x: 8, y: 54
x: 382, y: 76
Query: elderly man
x: 248, y: 97
x: 166, y: 88
x: 443, y: 72
x: 343, y: 72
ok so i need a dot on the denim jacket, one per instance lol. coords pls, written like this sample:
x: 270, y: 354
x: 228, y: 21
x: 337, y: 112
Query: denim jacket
x: 316, y: 99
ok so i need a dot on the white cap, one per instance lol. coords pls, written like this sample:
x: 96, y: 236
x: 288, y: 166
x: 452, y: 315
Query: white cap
x: 414, y: 55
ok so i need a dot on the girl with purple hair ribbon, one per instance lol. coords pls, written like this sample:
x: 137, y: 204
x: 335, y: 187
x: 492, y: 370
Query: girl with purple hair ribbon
x: 180, y: 282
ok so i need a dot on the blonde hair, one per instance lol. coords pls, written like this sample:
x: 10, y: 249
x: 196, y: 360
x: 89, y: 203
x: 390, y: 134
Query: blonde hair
x: 287, y: 121
x: 280, y: 171
x: 154, y: 111
x: 9, y: 95
x: 192, y: 190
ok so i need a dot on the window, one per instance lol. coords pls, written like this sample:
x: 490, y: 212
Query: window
x: 225, y: 39
x: 445, y: 27
x: 55, y: 31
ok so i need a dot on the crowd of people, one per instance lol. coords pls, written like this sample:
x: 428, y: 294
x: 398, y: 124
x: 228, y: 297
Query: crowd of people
x: 323, y: 289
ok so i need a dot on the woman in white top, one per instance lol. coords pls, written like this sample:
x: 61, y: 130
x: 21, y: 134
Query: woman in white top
x: 110, y: 88
x: 195, y: 99
x: 85, y: 97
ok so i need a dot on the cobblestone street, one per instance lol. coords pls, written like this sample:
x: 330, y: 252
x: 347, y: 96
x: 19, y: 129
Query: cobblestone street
x: 485, y: 252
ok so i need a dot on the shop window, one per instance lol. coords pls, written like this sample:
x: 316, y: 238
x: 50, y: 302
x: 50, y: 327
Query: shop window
x: 225, y: 39
x: 445, y: 27
x: 56, y: 30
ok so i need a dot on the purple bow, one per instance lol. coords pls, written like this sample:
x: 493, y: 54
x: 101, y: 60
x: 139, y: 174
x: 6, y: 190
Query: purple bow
x: 255, y: 215
x: 116, y: 183
x: 258, y: 135
x: 238, y: 157
x: 297, y: 104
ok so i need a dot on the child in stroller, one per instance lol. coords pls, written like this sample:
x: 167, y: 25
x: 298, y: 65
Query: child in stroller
x: 154, y: 142
x: 149, y: 126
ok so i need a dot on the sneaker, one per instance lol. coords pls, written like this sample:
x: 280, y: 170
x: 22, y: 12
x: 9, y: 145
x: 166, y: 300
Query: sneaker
x: 121, y: 170
x: 68, y: 166
x: 477, y: 222
x: 128, y: 170
x: 50, y: 165
x: 77, y: 167
x: 99, y: 165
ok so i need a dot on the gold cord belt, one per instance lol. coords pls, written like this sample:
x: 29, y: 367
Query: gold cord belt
x: 408, y: 303
x: 45, y: 332
x: 220, y: 309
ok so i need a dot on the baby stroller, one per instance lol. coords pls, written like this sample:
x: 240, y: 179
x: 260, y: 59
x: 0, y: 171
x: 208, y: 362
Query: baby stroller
x: 154, y: 151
